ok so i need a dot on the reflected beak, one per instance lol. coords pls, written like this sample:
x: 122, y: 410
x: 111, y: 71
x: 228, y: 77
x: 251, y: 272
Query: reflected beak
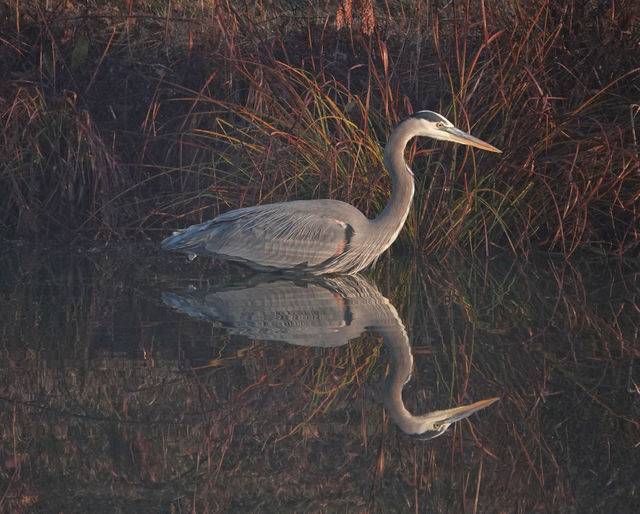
x: 459, y: 136
x: 458, y: 413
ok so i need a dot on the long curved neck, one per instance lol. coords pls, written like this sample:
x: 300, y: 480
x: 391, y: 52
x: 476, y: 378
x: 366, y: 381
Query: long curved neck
x: 400, y: 367
x: 392, y: 218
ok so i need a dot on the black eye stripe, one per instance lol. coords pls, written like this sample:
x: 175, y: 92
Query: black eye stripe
x: 429, y: 116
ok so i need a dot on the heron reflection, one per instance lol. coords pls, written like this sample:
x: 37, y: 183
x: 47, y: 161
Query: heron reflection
x: 321, y: 312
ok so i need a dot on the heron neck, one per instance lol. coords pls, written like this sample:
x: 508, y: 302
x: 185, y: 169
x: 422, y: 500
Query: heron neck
x: 400, y: 367
x: 392, y: 218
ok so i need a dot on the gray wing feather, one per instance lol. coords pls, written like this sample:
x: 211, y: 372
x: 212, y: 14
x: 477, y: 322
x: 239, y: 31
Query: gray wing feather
x: 287, y: 235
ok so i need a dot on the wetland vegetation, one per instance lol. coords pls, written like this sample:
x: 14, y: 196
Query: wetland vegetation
x: 127, y: 119
x: 515, y: 276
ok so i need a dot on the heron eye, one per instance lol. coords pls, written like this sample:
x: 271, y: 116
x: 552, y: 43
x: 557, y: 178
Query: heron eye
x: 439, y: 124
x: 437, y: 425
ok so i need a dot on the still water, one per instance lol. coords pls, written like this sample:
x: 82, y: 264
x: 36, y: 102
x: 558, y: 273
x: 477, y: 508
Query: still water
x: 133, y: 380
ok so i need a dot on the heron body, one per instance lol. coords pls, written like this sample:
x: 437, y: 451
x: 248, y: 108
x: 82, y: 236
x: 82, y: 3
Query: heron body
x: 320, y: 236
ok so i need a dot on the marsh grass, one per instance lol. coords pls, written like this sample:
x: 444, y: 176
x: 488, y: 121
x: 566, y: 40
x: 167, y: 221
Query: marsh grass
x: 133, y: 120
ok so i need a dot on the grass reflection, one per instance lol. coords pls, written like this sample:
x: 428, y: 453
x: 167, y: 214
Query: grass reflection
x: 111, y: 399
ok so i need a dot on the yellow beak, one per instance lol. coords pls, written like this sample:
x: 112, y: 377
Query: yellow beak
x: 459, y: 136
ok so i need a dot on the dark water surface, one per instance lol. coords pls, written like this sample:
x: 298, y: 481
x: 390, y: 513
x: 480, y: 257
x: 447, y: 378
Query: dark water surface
x: 132, y: 380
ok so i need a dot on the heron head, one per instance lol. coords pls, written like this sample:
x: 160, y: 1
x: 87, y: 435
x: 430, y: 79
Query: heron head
x: 432, y: 124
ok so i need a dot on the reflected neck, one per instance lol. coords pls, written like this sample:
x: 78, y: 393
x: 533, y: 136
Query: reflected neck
x: 400, y: 367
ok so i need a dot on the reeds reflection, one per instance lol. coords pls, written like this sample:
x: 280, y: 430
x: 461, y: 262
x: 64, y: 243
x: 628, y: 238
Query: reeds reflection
x: 108, y: 394
x: 322, y: 312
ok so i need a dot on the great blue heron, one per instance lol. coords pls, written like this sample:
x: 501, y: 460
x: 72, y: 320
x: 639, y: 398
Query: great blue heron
x: 320, y: 236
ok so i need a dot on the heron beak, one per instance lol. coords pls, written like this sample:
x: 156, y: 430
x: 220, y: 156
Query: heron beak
x: 459, y: 136
x: 459, y: 413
